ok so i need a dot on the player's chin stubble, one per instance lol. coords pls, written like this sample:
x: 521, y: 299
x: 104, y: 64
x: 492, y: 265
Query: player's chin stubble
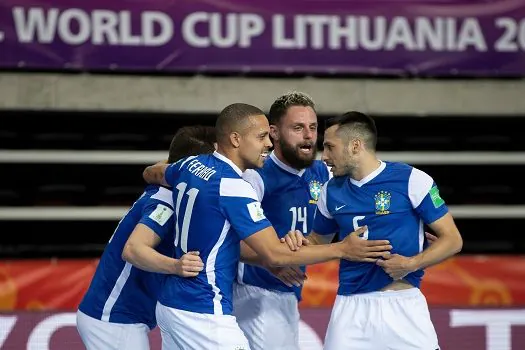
x: 293, y: 156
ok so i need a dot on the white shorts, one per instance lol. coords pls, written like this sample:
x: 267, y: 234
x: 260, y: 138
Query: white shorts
x: 97, y: 334
x: 184, y: 330
x: 270, y: 320
x: 394, y: 320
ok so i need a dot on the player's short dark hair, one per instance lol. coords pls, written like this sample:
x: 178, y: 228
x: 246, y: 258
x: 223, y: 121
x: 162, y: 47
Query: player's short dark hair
x: 356, y: 124
x: 233, y: 117
x: 192, y: 140
x: 283, y: 103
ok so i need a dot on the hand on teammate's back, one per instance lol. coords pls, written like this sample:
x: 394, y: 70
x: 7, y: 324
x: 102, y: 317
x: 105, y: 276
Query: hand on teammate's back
x: 362, y: 250
x: 189, y: 265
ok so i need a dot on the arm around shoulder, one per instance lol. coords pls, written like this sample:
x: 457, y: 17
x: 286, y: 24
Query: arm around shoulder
x: 155, y: 174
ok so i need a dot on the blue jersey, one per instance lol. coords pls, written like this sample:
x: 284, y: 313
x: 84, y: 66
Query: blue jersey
x: 215, y: 209
x: 289, y: 199
x: 394, y: 202
x: 119, y: 292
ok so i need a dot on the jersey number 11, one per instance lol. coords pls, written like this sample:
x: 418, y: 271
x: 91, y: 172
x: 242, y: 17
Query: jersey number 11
x: 183, y: 231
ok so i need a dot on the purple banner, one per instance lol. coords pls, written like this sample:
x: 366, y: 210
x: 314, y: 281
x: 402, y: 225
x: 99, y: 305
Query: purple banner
x: 421, y: 37
x: 458, y: 329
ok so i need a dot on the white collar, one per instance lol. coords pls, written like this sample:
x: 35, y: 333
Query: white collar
x: 370, y: 176
x: 228, y: 161
x: 286, y: 167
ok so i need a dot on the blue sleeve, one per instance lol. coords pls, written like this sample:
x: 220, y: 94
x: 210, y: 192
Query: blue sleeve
x: 158, y: 216
x: 432, y: 206
x: 424, y: 196
x: 242, y: 209
x: 324, y: 223
x: 171, y: 174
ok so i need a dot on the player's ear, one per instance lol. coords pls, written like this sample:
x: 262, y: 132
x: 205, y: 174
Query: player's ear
x: 355, y: 146
x: 235, y: 139
x: 274, y: 132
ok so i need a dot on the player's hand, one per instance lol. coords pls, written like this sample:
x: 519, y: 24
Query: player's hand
x: 295, y: 240
x: 189, y: 265
x: 362, y: 250
x: 290, y: 275
x: 430, y: 237
x: 397, y: 266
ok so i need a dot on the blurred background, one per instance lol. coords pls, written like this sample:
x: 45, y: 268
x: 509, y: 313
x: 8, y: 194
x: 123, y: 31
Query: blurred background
x: 91, y: 93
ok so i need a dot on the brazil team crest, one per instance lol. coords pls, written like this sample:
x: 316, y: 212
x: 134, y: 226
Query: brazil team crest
x: 315, y: 191
x: 382, y: 199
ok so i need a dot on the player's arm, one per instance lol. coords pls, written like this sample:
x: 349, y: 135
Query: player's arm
x: 156, y: 174
x: 296, y: 239
x: 155, y: 225
x: 448, y: 243
x: 264, y: 248
x: 249, y: 256
x: 429, y: 205
x: 239, y: 202
x: 323, y: 232
x: 289, y: 275
x: 267, y: 245
x: 432, y: 209
x: 316, y: 238
x: 140, y: 251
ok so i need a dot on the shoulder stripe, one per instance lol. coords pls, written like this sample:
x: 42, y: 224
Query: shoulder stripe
x: 236, y: 188
x: 257, y: 182
x: 165, y: 195
x: 419, y: 184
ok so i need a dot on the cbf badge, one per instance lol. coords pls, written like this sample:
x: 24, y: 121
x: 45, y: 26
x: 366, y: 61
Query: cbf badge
x: 315, y: 191
x: 382, y: 199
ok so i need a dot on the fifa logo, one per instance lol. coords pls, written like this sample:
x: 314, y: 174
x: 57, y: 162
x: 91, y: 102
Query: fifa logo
x: 382, y: 202
x: 160, y: 214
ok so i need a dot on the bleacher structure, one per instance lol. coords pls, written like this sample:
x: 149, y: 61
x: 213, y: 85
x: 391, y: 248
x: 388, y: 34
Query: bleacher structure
x: 68, y: 177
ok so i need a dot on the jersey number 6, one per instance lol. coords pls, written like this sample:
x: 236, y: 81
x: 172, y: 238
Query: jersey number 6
x: 356, y: 226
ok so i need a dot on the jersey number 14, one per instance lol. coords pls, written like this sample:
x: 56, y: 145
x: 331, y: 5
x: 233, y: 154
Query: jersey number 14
x: 299, y: 214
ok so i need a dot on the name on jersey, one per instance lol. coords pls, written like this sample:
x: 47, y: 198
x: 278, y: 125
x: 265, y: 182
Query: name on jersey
x: 382, y: 202
x: 200, y: 170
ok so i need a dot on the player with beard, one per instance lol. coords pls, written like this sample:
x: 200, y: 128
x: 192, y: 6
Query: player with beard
x: 288, y: 186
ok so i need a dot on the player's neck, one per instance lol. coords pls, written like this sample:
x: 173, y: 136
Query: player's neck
x: 232, y: 156
x: 277, y: 152
x: 367, y: 167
